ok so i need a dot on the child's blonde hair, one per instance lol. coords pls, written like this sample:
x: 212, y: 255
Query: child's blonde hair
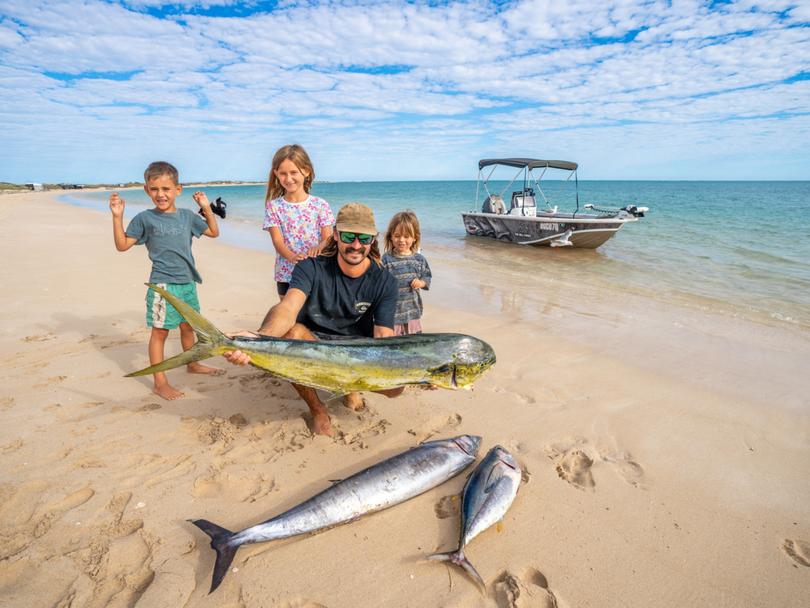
x: 161, y: 167
x: 406, y: 223
x: 299, y: 157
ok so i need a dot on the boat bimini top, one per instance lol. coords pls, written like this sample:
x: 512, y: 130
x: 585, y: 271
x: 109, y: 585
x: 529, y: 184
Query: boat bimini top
x: 530, y: 163
x: 522, y: 201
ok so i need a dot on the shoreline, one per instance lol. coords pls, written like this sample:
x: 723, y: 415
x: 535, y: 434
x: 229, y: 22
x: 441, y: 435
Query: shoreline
x: 664, y: 450
x: 732, y: 285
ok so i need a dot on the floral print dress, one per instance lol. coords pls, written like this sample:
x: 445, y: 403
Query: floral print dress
x: 300, y: 225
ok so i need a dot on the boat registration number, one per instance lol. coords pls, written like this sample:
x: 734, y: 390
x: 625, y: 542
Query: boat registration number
x: 548, y: 226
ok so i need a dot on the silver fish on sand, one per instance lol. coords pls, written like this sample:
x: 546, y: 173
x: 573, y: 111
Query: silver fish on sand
x: 486, y: 498
x: 378, y: 487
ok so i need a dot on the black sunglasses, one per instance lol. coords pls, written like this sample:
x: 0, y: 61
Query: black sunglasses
x: 348, y: 238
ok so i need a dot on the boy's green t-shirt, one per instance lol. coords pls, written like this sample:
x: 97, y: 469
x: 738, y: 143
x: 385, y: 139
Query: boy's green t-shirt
x: 167, y: 237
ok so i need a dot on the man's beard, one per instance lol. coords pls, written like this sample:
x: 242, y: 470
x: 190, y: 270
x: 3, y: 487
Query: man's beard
x: 348, y: 251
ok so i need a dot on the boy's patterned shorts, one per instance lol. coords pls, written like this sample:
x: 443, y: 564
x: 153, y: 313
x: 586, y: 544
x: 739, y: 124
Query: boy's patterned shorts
x: 161, y: 314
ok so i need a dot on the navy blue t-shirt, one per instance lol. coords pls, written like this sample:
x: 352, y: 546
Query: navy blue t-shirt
x: 340, y: 305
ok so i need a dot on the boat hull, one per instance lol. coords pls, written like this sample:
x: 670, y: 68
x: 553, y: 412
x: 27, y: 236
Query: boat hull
x: 585, y: 232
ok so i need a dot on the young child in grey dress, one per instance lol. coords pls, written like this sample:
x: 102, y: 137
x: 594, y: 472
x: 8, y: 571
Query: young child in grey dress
x: 410, y: 269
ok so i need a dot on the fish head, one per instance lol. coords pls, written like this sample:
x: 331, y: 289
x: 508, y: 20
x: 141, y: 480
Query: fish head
x: 468, y: 443
x: 469, y: 359
x: 505, y: 457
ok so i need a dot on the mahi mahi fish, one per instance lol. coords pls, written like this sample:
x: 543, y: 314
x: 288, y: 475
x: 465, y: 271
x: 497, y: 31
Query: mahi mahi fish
x: 342, y: 366
x: 486, y: 497
x: 378, y: 487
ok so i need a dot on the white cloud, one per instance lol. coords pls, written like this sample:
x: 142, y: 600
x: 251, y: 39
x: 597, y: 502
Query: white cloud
x: 393, y: 78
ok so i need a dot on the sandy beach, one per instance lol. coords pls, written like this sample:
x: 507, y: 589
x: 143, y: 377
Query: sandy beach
x: 666, y: 451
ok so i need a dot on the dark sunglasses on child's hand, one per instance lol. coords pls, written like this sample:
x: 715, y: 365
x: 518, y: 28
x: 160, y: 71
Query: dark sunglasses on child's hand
x: 348, y: 238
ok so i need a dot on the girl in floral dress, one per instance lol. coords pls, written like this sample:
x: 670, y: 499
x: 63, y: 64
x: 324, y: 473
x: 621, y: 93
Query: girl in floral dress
x: 299, y: 224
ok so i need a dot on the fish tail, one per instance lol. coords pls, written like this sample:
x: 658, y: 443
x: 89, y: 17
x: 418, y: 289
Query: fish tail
x: 459, y: 559
x: 210, y: 341
x: 219, y: 543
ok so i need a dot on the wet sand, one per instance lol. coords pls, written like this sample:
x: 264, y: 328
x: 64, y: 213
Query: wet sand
x: 666, y: 448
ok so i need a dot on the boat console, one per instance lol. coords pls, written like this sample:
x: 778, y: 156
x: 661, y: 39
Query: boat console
x: 523, y: 203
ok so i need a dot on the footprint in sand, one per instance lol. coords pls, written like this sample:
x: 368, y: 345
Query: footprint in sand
x: 113, y: 343
x: 214, y: 429
x: 169, y: 469
x: 12, y: 446
x: 529, y: 591
x: 443, y: 425
x: 357, y: 438
x: 448, y: 506
x: 24, y: 518
x: 238, y: 420
x: 259, y: 380
x: 575, y: 467
x: 219, y: 386
x: 629, y: 470
x: 798, y: 551
x: 248, y: 488
x: 522, y: 398
x: 39, y: 338
x: 575, y: 458
x: 116, y: 556
x: 573, y: 461
x: 50, y: 381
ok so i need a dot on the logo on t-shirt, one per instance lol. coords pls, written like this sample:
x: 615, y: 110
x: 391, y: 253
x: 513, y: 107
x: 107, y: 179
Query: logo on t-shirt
x: 361, y: 307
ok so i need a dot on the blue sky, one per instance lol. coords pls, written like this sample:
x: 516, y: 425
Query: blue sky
x: 93, y: 90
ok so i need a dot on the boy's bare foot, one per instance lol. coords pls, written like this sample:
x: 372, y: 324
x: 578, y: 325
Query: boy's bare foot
x: 354, y: 401
x: 199, y: 368
x: 168, y: 392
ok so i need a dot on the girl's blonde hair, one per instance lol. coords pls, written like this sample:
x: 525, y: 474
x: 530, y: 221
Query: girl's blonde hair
x: 299, y: 157
x: 406, y: 223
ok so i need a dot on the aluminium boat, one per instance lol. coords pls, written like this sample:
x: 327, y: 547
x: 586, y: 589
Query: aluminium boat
x: 523, y: 222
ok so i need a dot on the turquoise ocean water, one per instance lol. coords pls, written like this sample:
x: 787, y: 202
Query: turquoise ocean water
x: 740, y: 248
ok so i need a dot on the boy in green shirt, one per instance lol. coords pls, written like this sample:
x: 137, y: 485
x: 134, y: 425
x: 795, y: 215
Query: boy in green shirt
x: 167, y: 233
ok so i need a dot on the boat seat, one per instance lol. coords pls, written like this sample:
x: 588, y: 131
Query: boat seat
x: 493, y: 204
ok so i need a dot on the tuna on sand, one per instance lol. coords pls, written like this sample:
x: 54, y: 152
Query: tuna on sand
x: 378, y: 487
x: 486, y: 497
x: 341, y: 366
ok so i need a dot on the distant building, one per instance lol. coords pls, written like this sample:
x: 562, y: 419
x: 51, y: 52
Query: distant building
x: 35, y: 187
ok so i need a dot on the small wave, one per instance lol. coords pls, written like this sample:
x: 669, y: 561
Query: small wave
x: 765, y: 256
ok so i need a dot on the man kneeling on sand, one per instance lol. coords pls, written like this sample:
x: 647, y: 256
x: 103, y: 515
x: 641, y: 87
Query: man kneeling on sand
x: 342, y: 293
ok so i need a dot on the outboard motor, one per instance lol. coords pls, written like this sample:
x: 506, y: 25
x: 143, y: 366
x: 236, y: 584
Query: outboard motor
x: 635, y: 211
x: 493, y: 204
